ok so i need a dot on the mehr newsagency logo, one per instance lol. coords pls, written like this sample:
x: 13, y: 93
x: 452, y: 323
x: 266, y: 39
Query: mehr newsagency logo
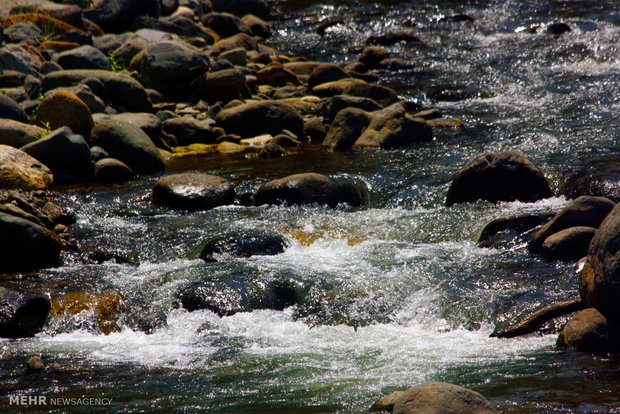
x: 42, y: 400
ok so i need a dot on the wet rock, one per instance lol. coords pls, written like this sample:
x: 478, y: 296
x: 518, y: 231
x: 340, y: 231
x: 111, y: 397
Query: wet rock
x: 35, y: 364
x: 258, y: 27
x: 287, y: 92
x: 242, y: 7
x: 95, y: 103
x: 123, y: 91
x: 392, y: 38
x: 437, y: 397
x: 428, y: 114
x: 265, y: 117
x: 510, y: 231
x: 498, y: 176
x: 129, y: 144
x: 380, y: 94
x: 276, y: 75
x: 13, y: 61
x: 17, y: 134
x: 324, y: 73
x: 22, y: 314
x: 590, y: 331
x: 285, y: 141
x: 25, y: 245
x: 193, y: 191
x: 19, y: 170
x: 346, y: 129
x: 64, y: 108
x: 189, y: 131
x: 49, y: 67
x: 64, y: 153
x: 179, y: 25
x: 583, y: 211
x: 237, y: 56
x: 19, y: 32
x: 600, y: 179
x: 392, y: 127
x: 272, y: 150
x: 117, y: 15
x: 225, y: 24
x: 245, y: 243
x: 586, y: 284
x: 169, y: 67
x: 558, y: 29
x: 604, y: 256
x: 240, y: 40
x: 83, y: 57
x: 221, y: 85
x: 332, y: 106
x: 314, y: 130
x: 9, y: 109
x: 112, y: 170
x: 457, y: 18
x: 309, y: 188
x: 569, y: 244
x: 372, y: 56
x: 149, y: 123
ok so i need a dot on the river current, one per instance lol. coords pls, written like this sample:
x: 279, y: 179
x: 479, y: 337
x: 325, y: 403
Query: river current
x: 407, y: 295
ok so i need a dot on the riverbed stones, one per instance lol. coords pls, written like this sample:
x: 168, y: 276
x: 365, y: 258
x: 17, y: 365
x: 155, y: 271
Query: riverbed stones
x: 225, y: 24
x: 9, y: 109
x: 22, y: 314
x: 330, y: 107
x: 110, y: 170
x: 193, y: 191
x: 188, y: 130
x: 276, y: 75
x: 240, y: 40
x: 244, y: 243
x: 309, y: 188
x: 19, y: 170
x: 64, y: 108
x: 25, y: 245
x: 83, y: 57
x: 264, y: 117
x: 434, y: 398
x: 258, y: 27
x: 129, y: 144
x: 324, y: 73
x: 220, y: 85
x: 117, y: 15
x: 17, y: 134
x: 498, y: 176
x: 590, y: 331
x: 346, y: 128
x: 569, y: 244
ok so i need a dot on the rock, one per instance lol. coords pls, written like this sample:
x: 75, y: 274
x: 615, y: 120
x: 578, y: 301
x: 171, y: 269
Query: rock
x: 428, y: 114
x: 245, y: 243
x: 17, y: 134
x: 392, y: 127
x: 332, y: 106
x: 109, y: 42
x: 170, y: 67
x: 240, y: 40
x: 586, y: 285
x: 604, y: 256
x: 314, y: 129
x: 9, y: 109
x: 392, y: 38
x: 19, y: 170
x: 149, y: 123
x: 602, y: 178
x: 309, y: 188
x: 179, y: 25
x: 117, y: 15
x: 557, y: 29
x: 434, y: 398
x: 457, y: 18
x: 225, y: 24
x: 590, y: 331
x: 231, y: 295
x: 193, y: 191
x: 25, y: 245
x: 271, y: 150
x: 13, y: 61
x: 64, y: 153
x: 276, y: 75
x: 124, y: 92
x: 258, y: 27
x: 346, y: 129
x: 584, y: 211
x: 83, y: 57
x: 324, y: 73
x: 95, y: 103
x: 285, y: 141
x: 372, y: 56
x: 112, y: 170
x: 23, y: 31
x: 189, y: 131
x: 265, y: 117
x: 65, y: 109
x: 505, y: 232
x: 35, y: 364
x: 456, y: 93
x: 129, y: 144
x: 498, y: 176
x: 242, y: 7
x: 569, y: 244
x: 381, y: 94
x: 221, y: 85
x: 22, y: 314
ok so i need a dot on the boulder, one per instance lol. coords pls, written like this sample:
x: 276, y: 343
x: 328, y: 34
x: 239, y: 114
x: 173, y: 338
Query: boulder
x: 193, y: 191
x: 381, y: 94
x: 604, y: 256
x: 392, y: 127
x: 586, y: 285
x: 324, y: 73
x: 170, y: 67
x: 25, y: 245
x: 17, y: 134
x: 23, y: 31
x: 149, y: 123
x: 19, y: 170
x: 221, y: 85
x: 13, y: 61
x: 95, y: 103
x: 314, y: 130
x: 590, y: 331
x: 224, y: 24
x: 117, y: 15
x: 271, y: 150
x: 64, y: 108
x: 83, y: 57
x: 276, y: 75
x: 129, y: 144
x: 245, y: 243
x: 256, y: 118
x: 258, y: 27
x: 332, y: 106
x: 309, y: 188
x: 584, y: 211
x: 189, y: 131
x: 64, y: 153
x: 506, y: 232
x: 346, y: 129
x: 558, y: 28
x: 112, y: 170
x: 22, y: 314
x: 569, y: 244
x: 237, y: 56
x: 498, y: 176
x: 242, y: 7
x: 9, y: 109
x: 123, y: 91
x: 434, y: 398
x: 242, y: 40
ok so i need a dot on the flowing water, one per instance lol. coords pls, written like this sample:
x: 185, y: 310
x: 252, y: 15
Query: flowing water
x: 402, y: 293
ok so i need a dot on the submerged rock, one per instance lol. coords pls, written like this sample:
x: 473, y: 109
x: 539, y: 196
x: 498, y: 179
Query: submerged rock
x: 434, y: 398
x: 498, y: 176
x: 192, y: 191
x: 600, y: 179
x: 22, y: 314
x: 244, y: 243
x: 508, y: 231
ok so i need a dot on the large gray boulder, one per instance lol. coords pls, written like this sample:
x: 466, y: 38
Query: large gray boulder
x: 22, y: 314
x: 193, y: 191
x: 129, y: 144
x: 498, y: 176
x: 264, y: 117
x: 309, y: 188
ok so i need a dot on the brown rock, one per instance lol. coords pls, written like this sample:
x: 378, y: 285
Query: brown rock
x: 569, y: 244
x: 590, y: 331
x: 276, y: 75
x: 64, y: 108
x: 19, y: 170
